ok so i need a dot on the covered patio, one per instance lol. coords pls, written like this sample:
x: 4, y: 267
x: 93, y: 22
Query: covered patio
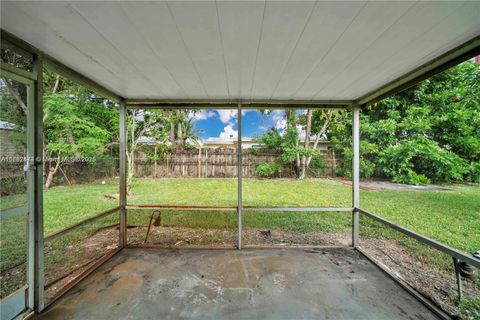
x: 235, y: 56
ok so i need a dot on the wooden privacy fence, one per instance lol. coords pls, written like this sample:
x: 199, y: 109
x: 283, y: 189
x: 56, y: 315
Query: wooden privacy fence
x: 218, y: 163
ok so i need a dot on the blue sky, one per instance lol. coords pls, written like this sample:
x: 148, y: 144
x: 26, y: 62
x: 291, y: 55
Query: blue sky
x: 223, y: 123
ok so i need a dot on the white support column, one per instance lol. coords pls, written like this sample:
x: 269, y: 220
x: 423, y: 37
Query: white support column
x: 239, y: 175
x: 123, y: 173
x: 355, y: 173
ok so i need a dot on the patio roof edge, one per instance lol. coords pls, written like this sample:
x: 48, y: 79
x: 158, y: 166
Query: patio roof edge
x: 60, y: 68
x: 449, y: 59
x: 233, y: 103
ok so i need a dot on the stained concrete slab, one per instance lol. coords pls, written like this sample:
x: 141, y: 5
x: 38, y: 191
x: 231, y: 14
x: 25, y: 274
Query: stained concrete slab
x: 290, y: 283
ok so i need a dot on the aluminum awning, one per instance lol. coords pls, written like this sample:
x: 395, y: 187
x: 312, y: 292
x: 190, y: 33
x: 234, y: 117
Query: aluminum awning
x: 299, y: 50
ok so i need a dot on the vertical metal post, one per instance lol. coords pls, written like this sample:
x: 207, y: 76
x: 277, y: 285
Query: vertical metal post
x: 38, y: 254
x: 123, y: 173
x: 456, y: 262
x: 355, y: 173
x: 31, y: 172
x: 239, y: 175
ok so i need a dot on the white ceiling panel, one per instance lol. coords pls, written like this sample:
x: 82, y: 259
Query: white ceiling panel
x: 326, y: 25
x: 283, y: 24
x: 385, y: 49
x: 450, y: 29
x: 302, y: 50
x: 240, y: 25
x: 371, y: 20
x: 198, y: 25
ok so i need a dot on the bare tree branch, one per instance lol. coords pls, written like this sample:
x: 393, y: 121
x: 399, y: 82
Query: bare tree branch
x: 14, y: 92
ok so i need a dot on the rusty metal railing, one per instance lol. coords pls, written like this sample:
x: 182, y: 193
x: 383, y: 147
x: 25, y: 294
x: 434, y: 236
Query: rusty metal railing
x: 456, y: 255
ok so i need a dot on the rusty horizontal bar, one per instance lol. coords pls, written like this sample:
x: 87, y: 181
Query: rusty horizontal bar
x: 181, y: 207
x: 193, y: 247
x: 233, y: 247
x: 424, y: 300
x: 95, y: 264
x: 246, y: 208
x: 298, y: 209
x: 423, y: 239
x: 59, y: 233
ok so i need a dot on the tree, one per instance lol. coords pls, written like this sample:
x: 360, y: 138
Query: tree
x: 142, y: 123
x: 189, y: 133
x: 68, y: 106
x: 77, y: 123
x: 294, y: 149
x: 69, y: 133
x: 430, y: 132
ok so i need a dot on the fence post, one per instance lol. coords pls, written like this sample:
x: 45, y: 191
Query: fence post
x: 206, y: 163
x: 156, y: 164
x: 199, y: 162
x: 355, y: 173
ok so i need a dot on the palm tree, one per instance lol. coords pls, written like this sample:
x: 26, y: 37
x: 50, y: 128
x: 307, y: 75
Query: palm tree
x: 189, y: 132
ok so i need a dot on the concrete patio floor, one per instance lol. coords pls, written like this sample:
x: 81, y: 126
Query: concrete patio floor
x: 230, y: 284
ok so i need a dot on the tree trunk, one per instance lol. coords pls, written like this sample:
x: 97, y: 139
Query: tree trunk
x: 130, y: 172
x: 322, y: 131
x: 14, y: 92
x: 51, y: 173
x: 57, y: 83
x: 179, y: 128
x: 172, y: 132
x: 308, y: 131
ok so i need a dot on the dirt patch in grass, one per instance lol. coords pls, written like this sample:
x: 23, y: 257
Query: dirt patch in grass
x: 436, y: 283
x: 391, y: 186
x: 184, y: 237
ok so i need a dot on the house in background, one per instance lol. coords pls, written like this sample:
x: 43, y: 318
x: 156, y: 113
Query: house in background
x: 248, y: 143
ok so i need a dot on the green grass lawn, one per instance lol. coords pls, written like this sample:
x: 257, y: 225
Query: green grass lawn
x: 452, y: 217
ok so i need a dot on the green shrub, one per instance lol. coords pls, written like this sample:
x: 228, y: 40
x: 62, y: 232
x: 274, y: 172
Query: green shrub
x: 317, y: 166
x: 474, y: 171
x: 265, y: 170
x: 413, y: 160
x: 411, y: 177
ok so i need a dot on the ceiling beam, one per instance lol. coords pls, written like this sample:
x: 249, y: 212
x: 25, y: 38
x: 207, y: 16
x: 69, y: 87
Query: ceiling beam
x: 233, y: 103
x: 447, y: 60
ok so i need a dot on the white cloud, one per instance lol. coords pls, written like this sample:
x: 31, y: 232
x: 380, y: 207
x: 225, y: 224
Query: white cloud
x: 227, y: 115
x: 202, y: 114
x: 281, y: 124
x: 228, y: 132
x: 278, y: 117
